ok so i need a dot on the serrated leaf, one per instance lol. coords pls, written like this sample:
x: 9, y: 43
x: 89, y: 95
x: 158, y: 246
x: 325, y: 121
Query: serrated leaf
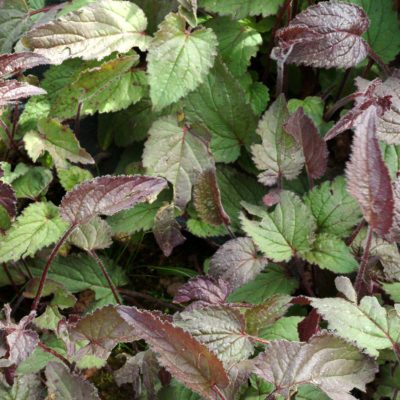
x: 279, y: 155
x: 38, y: 226
x: 174, y: 52
x: 368, y: 179
x: 73, y: 176
x: 201, y: 229
x: 334, y: 210
x: 237, y: 262
x: 284, y: 328
x: 325, y: 35
x: 328, y: 362
x: 12, y: 64
x: 286, y: 231
x: 230, y: 130
x: 178, y: 154
x: 32, y: 183
x: 221, y: 329
x: 64, y: 385
x: 8, y: 199
x: 12, y: 90
x: 58, y: 140
x: 186, y: 359
x: 49, y: 319
x: 108, y: 195
x: 329, y: 252
x: 104, y: 26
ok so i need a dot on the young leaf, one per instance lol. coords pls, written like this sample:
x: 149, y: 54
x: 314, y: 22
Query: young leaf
x: 12, y: 64
x: 104, y: 26
x: 368, y: 179
x: 325, y: 35
x: 108, y: 195
x: 285, y: 232
x: 221, y: 329
x: 315, y: 150
x: 38, y: 226
x: 174, y: 52
x: 58, y: 140
x: 186, y: 359
x: 237, y: 262
x: 33, y: 182
x: 73, y: 176
x: 12, y: 90
x: 279, y: 155
x: 8, y: 199
x: 328, y: 362
x: 235, y: 126
x: 177, y: 154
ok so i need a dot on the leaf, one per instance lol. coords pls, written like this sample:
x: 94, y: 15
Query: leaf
x: 370, y: 325
x: 49, y: 319
x: 273, y: 281
x: 104, y: 26
x: 207, y: 199
x: 325, y: 35
x: 12, y: 90
x: 201, y: 229
x: 279, y: 155
x: 232, y: 128
x: 64, y: 385
x: 329, y: 252
x: 284, y: 328
x: 315, y: 150
x: 108, y: 195
x: 203, y: 291
x: 174, y: 52
x: 166, y: 229
x: 242, y: 9
x: 93, y: 235
x: 24, y: 387
x: 8, y: 199
x: 368, y: 179
x: 12, y: 64
x: 178, y: 154
x: 33, y: 182
x: 38, y: 226
x: 186, y: 359
x: 73, y: 176
x: 285, y: 232
x: 393, y: 290
x: 391, y: 157
x: 328, y: 362
x: 221, y: 329
x: 334, y: 210
x: 237, y: 262
x: 58, y: 140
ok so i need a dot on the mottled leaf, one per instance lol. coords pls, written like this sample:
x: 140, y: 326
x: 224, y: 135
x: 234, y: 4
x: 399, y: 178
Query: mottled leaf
x: 13, y: 90
x: 12, y: 64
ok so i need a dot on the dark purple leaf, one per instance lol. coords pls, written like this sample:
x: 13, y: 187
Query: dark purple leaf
x: 186, y: 359
x: 325, y: 35
x: 108, y: 195
x: 11, y: 64
x: 368, y: 179
x: 309, y: 326
x: 8, y: 199
x: 12, y: 91
x: 315, y: 150
x: 203, y: 291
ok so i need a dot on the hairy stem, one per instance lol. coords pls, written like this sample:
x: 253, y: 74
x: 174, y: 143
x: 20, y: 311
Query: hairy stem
x: 379, y: 61
x: 280, y: 65
x: 48, y: 265
x: 355, y: 232
x: 55, y: 354
x: 339, y: 104
x: 363, y: 265
x: 217, y: 392
x: 260, y: 340
x: 343, y: 84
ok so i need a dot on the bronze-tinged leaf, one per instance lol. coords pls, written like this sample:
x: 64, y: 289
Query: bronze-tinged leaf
x: 8, y: 199
x: 325, y: 35
x: 11, y: 64
x: 12, y: 91
x: 185, y: 358
x: 108, y: 195
x: 207, y: 199
x: 368, y: 179
x: 315, y: 150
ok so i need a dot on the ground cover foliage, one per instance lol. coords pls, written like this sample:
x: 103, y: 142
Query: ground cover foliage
x: 199, y: 199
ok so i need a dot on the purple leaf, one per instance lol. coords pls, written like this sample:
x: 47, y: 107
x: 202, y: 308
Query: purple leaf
x: 186, y: 359
x: 325, y: 35
x: 108, y: 195
x: 11, y: 64
x: 315, y: 150
x: 368, y: 179
x: 12, y: 91
x: 8, y: 199
x: 203, y: 291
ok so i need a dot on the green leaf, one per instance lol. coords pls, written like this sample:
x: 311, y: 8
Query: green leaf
x: 104, y: 27
x: 286, y: 231
x: 330, y: 252
x: 232, y: 128
x: 38, y: 226
x: 49, y: 319
x: 176, y: 390
x: 241, y: 9
x: 393, y: 290
x: 334, y: 210
x: 177, y: 154
x: 279, y: 155
x: 59, y: 141
x: 238, y: 42
x: 284, y: 328
x: 273, y: 281
x: 178, y: 60
x: 391, y: 156
x: 73, y: 176
x: 310, y: 392
x: 33, y: 183
x: 202, y: 229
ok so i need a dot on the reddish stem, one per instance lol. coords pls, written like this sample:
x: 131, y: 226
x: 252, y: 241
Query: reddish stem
x: 379, y: 61
x: 355, y: 232
x: 363, y: 265
x: 47, y: 8
x: 55, y: 354
x: 339, y: 104
x: 9, y: 135
x: 218, y: 392
x: 257, y: 339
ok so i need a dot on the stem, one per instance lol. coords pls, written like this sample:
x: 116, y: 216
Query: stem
x: 371, y: 62
x: 217, y: 392
x: 396, y: 349
x: 133, y: 294
x: 363, y: 266
x: 355, y: 232
x: 77, y: 126
x: 9, y: 135
x: 257, y: 339
x: 48, y: 265
x: 55, y: 354
x: 48, y: 8
x: 15, y: 121
x: 343, y: 84
x: 280, y: 65
x: 379, y: 61
x: 106, y: 275
x: 10, y: 278
x: 339, y: 104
